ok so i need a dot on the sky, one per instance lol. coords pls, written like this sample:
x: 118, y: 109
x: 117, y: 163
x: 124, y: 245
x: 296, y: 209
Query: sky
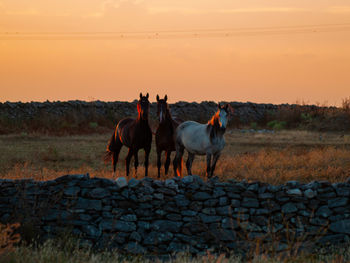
x: 61, y: 53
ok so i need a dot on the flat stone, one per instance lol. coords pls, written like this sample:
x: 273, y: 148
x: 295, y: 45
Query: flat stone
x: 121, y: 182
x: 118, y: 225
x: 340, y: 201
x: 289, y: 208
x: 156, y: 238
x: 210, y: 219
x: 99, y: 193
x: 294, y: 192
x: 250, y: 202
x: 342, y: 226
x: 188, y: 179
x: 88, y: 204
x: 133, y: 183
x: 181, y: 200
x: 201, y: 196
x: 129, y: 218
x: 71, y: 191
x: 166, y: 225
x: 135, y: 248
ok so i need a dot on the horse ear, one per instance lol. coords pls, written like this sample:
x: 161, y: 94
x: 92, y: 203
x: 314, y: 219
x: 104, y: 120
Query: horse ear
x: 140, y: 95
x: 147, y: 95
x: 157, y: 97
x: 166, y: 98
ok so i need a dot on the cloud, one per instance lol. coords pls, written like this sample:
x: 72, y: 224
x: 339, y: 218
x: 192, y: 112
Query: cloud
x: 157, y: 10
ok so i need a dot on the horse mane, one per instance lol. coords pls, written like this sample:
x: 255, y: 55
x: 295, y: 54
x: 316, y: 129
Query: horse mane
x: 213, y: 126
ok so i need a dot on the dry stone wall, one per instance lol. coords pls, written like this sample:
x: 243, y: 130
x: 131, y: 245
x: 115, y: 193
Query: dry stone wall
x: 188, y: 214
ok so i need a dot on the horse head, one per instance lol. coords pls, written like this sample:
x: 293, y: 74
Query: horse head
x: 162, y: 107
x: 223, y: 114
x: 143, y: 106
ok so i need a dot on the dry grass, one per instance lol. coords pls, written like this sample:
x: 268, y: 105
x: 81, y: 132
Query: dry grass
x: 273, y: 158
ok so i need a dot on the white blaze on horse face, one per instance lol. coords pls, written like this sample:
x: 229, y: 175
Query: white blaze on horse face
x: 223, y: 119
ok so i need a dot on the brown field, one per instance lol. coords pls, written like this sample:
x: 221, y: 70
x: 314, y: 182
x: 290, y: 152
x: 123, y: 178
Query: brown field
x: 268, y: 157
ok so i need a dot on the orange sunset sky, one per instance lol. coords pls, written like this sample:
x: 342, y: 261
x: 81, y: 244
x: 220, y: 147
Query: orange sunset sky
x: 56, y: 50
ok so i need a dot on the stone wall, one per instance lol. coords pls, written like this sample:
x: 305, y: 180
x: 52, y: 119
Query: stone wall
x: 245, y: 112
x: 189, y: 214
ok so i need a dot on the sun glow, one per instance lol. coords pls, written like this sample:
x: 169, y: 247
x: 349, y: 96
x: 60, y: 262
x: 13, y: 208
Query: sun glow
x: 261, y: 51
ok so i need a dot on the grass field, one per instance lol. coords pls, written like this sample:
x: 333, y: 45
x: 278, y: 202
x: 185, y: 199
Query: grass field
x: 269, y: 157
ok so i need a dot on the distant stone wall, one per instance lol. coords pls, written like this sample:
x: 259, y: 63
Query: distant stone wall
x: 245, y: 112
x: 189, y: 214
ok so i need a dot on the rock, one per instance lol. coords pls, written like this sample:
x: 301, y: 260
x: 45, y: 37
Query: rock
x: 156, y: 238
x: 224, y: 211
x: 121, y: 182
x: 118, y: 225
x: 324, y: 211
x: 181, y: 200
x: 99, y: 193
x: 210, y: 219
x: 135, y: 248
x: 188, y: 179
x: 342, y: 226
x: 294, y: 192
x: 250, y: 202
x: 72, y: 191
x: 128, y: 218
x: 133, y: 183
x: 91, y: 231
x: 340, y: 201
x: 289, y: 208
x: 166, y: 225
x: 310, y: 193
x: 135, y: 236
x: 201, y: 196
x: 88, y: 204
x: 223, y: 201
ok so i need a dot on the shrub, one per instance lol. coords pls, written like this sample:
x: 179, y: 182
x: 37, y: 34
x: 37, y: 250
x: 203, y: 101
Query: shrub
x: 277, y: 125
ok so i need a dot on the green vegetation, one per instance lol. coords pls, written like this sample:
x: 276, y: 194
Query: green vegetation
x: 277, y: 125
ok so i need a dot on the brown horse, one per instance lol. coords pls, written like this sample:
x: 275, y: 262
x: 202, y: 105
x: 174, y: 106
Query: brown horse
x: 165, y: 133
x: 135, y: 134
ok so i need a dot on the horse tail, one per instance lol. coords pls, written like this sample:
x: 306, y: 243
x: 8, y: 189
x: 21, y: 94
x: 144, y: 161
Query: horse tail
x: 111, y: 148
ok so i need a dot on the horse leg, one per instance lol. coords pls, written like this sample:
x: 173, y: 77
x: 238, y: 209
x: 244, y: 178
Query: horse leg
x: 147, y: 151
x: 167, y: 161
x: 208, y: 164
x: 115, y: 157
x: 127, y: 161
x: 215, y: 159
x: 136, y: 161
x: 189, y: 163
x: 178, y: 160
x: 159, y: 156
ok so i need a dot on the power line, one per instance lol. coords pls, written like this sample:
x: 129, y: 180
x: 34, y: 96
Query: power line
x: 176, y: 34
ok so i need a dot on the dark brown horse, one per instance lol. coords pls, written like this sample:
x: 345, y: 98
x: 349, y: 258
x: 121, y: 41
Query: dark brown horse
x: 135, y: 134
x: 165, y: 133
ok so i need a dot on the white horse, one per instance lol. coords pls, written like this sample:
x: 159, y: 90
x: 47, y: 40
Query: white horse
x: 202, y: 139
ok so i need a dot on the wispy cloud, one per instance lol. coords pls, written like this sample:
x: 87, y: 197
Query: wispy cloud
x: 155, y: 10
